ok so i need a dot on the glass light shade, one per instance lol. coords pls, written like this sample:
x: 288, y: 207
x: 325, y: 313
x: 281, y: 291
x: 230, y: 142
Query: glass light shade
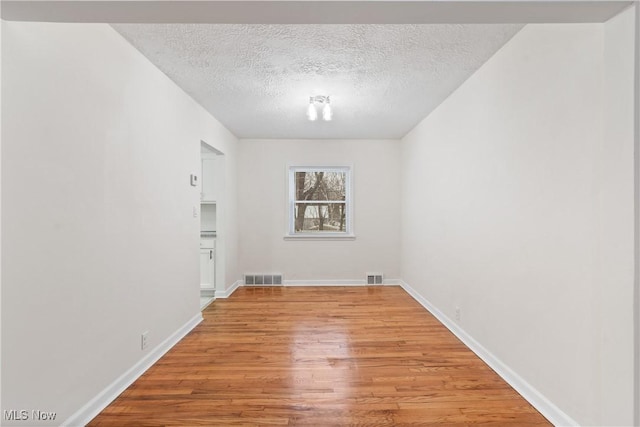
x: 312, y: 114
x: 327, y: 114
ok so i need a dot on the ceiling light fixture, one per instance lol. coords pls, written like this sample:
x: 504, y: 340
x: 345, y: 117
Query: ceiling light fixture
x: 312, y: 113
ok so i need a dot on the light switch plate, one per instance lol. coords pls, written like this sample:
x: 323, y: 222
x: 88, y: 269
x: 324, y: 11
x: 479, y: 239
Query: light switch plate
x: 194, y: 180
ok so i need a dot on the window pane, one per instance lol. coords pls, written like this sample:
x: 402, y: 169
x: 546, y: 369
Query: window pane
x: 321, y: 185
x: 320, y: 217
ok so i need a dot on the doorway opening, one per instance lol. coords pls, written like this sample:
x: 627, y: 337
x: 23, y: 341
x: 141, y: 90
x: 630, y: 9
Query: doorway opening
x: 211, y: 201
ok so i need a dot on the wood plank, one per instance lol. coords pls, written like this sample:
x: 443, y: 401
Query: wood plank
x: 319, y: 356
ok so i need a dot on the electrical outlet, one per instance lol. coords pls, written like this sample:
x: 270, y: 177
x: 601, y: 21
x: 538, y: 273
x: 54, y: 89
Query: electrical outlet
x: 458, y: 314
x: 195, y: 212
x: 144, y: 340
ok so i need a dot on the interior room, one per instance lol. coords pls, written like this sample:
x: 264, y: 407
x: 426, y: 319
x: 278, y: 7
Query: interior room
x: 477, y: 159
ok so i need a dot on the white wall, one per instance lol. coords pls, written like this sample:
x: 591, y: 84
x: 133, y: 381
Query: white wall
x: 262, y: 209
x: 99, y: 240
x: 637, y: 215
x: 517, y: 206
x: 1, y: 26
x: 615, y: 192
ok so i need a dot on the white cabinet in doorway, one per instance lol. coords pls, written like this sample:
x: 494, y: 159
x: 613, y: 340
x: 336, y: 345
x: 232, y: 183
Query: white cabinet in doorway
x: 208, y: 270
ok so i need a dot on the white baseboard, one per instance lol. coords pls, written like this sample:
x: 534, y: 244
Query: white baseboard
x: 89, y: 411
x: 385, y: 282
x: 550, y: 411
x: 345, y: 282
x: 208, y: 303
x: 324, y: 283
x: 228, y: 292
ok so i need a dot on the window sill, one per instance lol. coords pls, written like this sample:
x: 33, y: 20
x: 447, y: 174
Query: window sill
x: 314, y: 236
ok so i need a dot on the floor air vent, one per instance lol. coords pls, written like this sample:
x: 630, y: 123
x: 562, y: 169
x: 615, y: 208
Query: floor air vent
x: 262, y: 279
x: 374, y: 278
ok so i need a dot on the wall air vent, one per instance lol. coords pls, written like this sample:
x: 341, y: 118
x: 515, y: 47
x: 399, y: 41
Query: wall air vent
x: 259, y: 279
x: 374, y: 278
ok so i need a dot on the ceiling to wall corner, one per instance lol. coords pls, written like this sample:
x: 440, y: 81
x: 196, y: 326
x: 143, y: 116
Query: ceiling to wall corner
x: 257, y: 79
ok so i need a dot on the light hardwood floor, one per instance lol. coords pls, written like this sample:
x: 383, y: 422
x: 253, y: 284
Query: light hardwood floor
x: 319, y: 356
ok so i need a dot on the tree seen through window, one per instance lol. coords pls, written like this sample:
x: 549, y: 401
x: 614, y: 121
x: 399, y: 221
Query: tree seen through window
x: 320, y: 201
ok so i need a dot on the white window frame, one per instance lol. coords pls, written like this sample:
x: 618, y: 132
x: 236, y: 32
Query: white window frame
x: 348, y: 234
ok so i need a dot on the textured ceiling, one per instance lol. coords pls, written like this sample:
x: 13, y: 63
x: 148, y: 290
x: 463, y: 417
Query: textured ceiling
x: 257, y: 79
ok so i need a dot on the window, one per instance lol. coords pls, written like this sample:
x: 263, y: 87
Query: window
x: 320, y: 202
